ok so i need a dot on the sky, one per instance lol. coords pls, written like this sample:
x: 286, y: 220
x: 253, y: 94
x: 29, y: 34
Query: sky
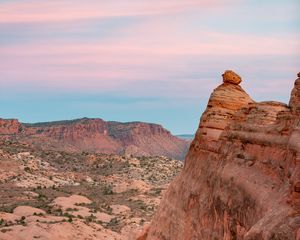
x: 139, y: 60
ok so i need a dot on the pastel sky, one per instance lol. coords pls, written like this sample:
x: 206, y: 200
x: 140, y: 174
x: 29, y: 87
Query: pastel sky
x: 140, y: 60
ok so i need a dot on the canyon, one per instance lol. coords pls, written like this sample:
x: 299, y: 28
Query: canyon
x: 97, y: 136
x: 241, y: 176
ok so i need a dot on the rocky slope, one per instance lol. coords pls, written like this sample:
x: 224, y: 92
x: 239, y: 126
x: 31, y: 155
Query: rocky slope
x: 241, y: 178
x: 96, y: 135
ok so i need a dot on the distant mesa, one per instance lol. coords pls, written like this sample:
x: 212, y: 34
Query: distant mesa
x: 97, y: 136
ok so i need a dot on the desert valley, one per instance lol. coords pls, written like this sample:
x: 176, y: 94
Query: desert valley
x: 85, y: 179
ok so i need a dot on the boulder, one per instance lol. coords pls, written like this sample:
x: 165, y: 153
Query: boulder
x: 230, y: 76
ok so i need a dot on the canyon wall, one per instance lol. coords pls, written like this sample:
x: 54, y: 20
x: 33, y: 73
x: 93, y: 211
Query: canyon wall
x: 241, y: 178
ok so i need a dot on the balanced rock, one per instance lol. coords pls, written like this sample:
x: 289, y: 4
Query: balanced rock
x: 230, y: 76
x: 223, y: 103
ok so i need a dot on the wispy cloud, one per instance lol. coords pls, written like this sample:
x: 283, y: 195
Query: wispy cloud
x: 69, y: 10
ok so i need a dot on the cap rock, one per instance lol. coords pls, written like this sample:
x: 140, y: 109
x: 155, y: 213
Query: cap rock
x: 230, y: 76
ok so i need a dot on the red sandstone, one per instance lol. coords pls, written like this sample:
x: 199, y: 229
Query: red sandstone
x: 241, y: 178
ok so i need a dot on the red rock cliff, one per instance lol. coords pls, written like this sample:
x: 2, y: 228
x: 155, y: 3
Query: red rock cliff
x: 241, y: 178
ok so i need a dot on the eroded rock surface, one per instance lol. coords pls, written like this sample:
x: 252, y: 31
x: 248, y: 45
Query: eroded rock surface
x: 225, y: 100
x: 241, y: 176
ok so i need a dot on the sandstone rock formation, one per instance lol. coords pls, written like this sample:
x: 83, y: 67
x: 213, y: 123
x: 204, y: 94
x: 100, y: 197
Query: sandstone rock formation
x: 241, y: 176
x: 225, y: 100
x: 97, y: 135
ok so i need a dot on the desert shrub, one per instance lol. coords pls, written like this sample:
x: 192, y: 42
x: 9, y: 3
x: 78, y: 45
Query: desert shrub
x: 113, y: 222
x: 90, y: 218
x: 72, y: 209
x: 107, y: 189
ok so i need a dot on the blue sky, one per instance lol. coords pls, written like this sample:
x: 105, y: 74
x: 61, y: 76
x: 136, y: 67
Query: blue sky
x: 154, y: 61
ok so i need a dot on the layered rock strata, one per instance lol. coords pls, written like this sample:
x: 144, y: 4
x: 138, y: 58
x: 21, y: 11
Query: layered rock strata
x: 241, y: 178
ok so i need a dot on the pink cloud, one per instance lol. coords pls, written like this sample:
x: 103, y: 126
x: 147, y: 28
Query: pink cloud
x: 141, y: 49
x: 116, y: 66
x: 67, y: 10
x: 151, y: 50
x: 150, y: 41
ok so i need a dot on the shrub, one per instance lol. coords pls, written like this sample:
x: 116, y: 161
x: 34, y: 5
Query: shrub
x: 107, y: 189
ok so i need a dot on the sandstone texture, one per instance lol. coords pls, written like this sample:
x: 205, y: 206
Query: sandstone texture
x: 98, y: 136
x: 241, y: 178
x: 225, y: 100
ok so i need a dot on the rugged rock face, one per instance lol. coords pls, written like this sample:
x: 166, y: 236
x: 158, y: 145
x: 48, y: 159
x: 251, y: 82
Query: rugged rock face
x: 96, y: 135
x: 147, y: 139
x: 241, y: 181
x: 9, y: 127
x: 75, y: 135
